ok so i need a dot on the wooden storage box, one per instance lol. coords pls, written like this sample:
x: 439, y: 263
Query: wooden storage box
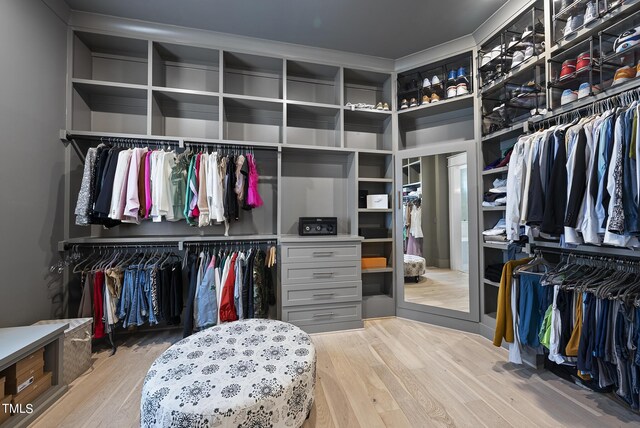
x: 24, y: 372
x: 33, y: 391
x: 374, y: 262
x: 4, y: 415
x: 77, y: 347
x: 2, y: 381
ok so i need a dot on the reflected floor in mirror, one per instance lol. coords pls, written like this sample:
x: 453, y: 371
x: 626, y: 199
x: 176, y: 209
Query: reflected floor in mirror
x: 443, y: 288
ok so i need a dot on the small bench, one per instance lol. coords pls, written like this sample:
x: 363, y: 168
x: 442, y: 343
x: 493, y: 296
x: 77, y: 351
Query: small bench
x: 250, y: 373
x: 414, y: 266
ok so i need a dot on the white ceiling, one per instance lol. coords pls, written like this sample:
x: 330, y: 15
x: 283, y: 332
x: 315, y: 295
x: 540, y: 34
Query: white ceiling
x: 379, y: 28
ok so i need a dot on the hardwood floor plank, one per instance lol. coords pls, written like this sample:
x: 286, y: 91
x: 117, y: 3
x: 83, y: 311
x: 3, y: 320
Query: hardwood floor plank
x: 393, y: 373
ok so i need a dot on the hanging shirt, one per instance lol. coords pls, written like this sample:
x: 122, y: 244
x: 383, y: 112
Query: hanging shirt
x: 132, y: 205
x: 203, y: 204
x: 85, y: 198
x: 227, y: 307
x: 119, y: 191
x: 515, y: 186
x: 416, y: 222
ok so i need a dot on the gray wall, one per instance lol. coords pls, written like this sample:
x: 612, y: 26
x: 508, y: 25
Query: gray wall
x: 435, y: 210
x: 32, y: 110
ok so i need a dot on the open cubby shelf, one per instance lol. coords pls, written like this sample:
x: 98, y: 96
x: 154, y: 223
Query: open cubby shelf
x: 186, y: 67
x: 253, y: 75
x: 185, y: 115
x: 313, y: 125
x: 315, y: 83
x: 109, y: 58
x: 97, y: 107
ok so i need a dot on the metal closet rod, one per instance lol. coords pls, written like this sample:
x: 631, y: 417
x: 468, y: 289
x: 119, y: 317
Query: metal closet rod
x: 588, y: 252
x: 114, y: 246
x: 598, y: 106
x: 234, y: 242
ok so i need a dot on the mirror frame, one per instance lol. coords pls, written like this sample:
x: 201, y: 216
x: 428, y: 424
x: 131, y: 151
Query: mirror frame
x: 470, y: 147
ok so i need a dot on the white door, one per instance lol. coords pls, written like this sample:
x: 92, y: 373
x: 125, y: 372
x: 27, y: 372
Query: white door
x: 458, y: 212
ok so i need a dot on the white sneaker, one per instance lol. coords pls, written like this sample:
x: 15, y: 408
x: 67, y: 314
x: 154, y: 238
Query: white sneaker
x: 452, y: 91
x: 462, y: 89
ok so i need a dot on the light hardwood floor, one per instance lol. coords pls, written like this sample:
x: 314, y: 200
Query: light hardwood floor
x: 393, y: 373
x: 444, y: 288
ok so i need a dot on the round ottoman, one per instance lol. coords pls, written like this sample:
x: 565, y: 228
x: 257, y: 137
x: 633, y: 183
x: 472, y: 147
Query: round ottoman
x: 251, y: 373
x: 414, y: 266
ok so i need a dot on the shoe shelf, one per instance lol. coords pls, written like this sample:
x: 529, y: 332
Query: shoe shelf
x: 185, y: 67
x: 615, y: 11
x: 574, y: 7
x: 500, y: 208
x: 438, y: 107
x: 434, y: 83
x: 607, y: 92
x: 367, y: 87
x: 512, y: 94
x: 518, y: 127
x: 608, y: 38
x: 514, y: 73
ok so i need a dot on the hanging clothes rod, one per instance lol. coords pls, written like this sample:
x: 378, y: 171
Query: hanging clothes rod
x: 128, y: 141
x: 598, y: 106
x: 586, y: 251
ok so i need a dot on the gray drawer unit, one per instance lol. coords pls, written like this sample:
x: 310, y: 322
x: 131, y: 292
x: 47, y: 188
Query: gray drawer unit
x: 313, y: 294
x: 303, y: 273
x: 305, y: 253
x: 321, y: 283
x: 322, y: 314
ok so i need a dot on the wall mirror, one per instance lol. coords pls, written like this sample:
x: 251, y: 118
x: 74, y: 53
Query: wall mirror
x: 438, y: 248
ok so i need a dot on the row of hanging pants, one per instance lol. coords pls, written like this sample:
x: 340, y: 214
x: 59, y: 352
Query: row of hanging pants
x: 132, y: 295
x: 228, y: 286
x: 596, y: 339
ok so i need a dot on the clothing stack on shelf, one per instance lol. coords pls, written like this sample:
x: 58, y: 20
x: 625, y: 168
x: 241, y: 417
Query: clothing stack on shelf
x: 497, y: 233
x: 412, y: 215
x: 130, y: 289
x: 583, y: 314
x: 228, y: 284
x: 578, y: 180
x: 497, y: 195
x: 129, y: 185
x: 493, y: 272
x: 500, y: 162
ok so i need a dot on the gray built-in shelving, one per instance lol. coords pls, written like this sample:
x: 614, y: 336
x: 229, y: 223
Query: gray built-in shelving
x: 313, y: 153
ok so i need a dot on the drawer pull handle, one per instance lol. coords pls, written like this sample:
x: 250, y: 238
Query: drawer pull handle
x: 327, y: 314
x: 322, y: 274
x: 323, y: 253
x: 324, y: 294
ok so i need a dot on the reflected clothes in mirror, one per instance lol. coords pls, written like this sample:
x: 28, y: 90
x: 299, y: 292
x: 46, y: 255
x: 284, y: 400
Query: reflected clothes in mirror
x: 412, y: 213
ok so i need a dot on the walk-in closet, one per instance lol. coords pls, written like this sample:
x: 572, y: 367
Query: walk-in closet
x: 320, y: 214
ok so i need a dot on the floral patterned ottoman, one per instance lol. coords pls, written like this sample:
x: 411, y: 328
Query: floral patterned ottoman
x: 251, y: 373
x: 414, y: 266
